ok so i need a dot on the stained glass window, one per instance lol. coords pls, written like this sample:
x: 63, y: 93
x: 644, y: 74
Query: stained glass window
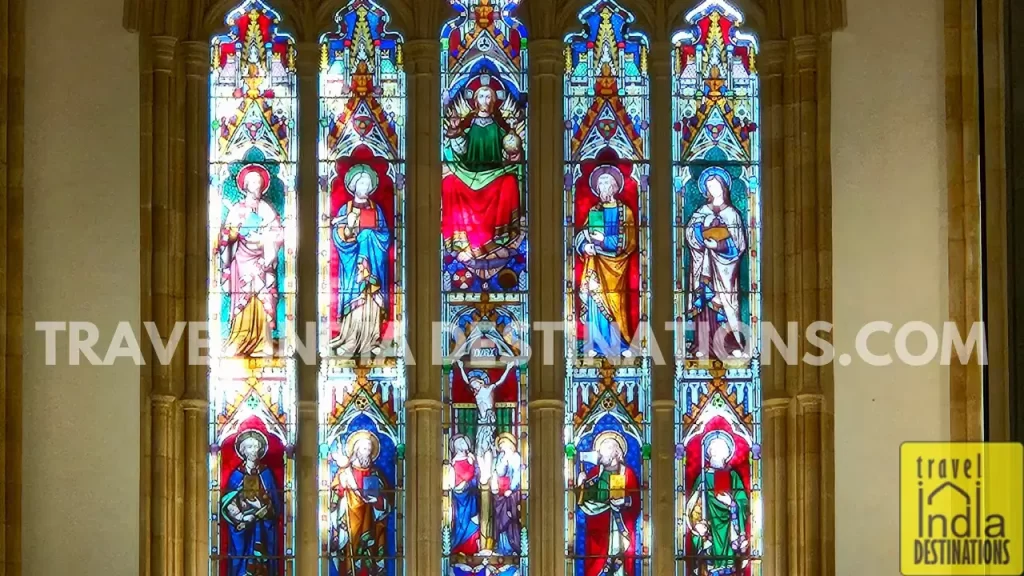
x: 607, y: 426
x: 361, y: 296
x: 484, y: 289
x: 252, y: 294
x: 717, y: 238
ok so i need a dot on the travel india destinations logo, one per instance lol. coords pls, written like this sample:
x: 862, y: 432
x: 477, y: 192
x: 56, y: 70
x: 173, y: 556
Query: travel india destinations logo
x: 961, y: 509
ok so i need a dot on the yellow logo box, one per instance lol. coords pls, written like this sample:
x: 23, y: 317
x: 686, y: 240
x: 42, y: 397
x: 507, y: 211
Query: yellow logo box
x: 961, y: 509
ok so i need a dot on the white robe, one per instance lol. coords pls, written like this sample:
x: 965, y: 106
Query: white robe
x: 720, y: 270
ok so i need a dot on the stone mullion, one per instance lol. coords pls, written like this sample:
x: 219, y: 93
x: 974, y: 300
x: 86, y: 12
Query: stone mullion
x: 163, y: 222
x: 773, y: 218
x: 423, y: 229
x: 162, y: 497
x: 994, y: 59
x: 4, y: 462
x: 822, y: 292
x: 808, y: 430
x: 547, y: 373
x: 306, y: 525
x: 177, y: 245
x: 774, y: 408
x: 774, y: 471
x: 807, y: 417
x: 806, y: 53
x: 145, y: 306
x: 195, y: 404
x: 964, y: 207
x: 196, y: 492
x: 661, y: 512
x: 792, y: 223
x: 10, y: 559
x: 306, y: 490
x: 825, y: 388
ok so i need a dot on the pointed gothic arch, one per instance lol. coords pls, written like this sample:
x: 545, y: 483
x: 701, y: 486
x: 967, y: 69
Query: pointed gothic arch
x: 179, y: 408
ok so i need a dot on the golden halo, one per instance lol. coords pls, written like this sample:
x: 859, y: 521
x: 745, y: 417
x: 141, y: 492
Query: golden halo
x: 254, y: 434
x: 610, y: 170
x: 611, y: 435
x: 506, y: 436
x: 350, y: 444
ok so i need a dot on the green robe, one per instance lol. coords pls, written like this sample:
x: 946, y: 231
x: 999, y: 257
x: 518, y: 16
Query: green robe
x: 483, y: 160
x: 718, y: 516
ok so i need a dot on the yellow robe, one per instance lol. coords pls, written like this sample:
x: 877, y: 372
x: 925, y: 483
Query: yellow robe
x: 605, y: 277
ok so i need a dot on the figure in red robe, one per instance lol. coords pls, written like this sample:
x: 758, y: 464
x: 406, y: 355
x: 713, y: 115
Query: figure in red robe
x: 465, y: 498
x: 480, y: 209
x: 609, y: 496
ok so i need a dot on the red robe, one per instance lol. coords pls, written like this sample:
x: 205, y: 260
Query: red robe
x: 465, y: 530
x: 481, y: 215
x: 598, y: 526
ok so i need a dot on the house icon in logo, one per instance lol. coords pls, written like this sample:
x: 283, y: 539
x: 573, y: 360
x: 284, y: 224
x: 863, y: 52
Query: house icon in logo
x: 949, y: 511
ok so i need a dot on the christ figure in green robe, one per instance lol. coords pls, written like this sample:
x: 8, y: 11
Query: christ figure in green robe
x: 480, y: 211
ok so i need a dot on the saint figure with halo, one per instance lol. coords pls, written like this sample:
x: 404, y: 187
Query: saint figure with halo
x: 362, y: 239
x: 606, y: 246
x: 716, y: 240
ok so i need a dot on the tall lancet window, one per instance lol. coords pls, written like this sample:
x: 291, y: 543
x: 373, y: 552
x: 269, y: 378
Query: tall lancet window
x: 252, y: 220
x: 717, y: 237
x: 608, y: 399
x: 484, y: 285
x: 361, y: 254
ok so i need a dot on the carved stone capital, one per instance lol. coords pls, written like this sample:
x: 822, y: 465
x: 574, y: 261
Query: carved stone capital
x: 664, y: 405
x: 775, y: 406
x: 660, y: 58
x: 423, y: 405
x: 197, y: 58
x: 547, y: 404
x: 162, y: 402
x: 194, y: 405
x: 164, y: 48
x: 772, y: 57
x: 307, y: 60
x: 547, y: 57
x: 805, y: 49
x: 811, y: 403
x: 421, y: 56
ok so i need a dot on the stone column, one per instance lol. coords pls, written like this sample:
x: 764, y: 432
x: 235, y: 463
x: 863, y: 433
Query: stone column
x: 798, y: 422
x: 146, y: 74
x: 423, y: 228
x: 165, y: 241
x: 547, y: 371
x: 307, y: 549
x: 994, y: 28
x: 774, y: 434
x: 773, y: 376
x: 807, y: 237
x: 195, y: 405
x: 661, y: 512
x: 963, y: 177
x: 12, y: 65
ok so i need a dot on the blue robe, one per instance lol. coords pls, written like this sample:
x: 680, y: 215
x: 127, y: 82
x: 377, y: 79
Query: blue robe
x: 259, y: 538
x: 370, y: 248
x: 466, y: 516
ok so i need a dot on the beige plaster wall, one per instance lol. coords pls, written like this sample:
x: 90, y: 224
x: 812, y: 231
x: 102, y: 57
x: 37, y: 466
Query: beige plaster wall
x: 888, y: 147
x: 81, y: 263
x: 81, y: 464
